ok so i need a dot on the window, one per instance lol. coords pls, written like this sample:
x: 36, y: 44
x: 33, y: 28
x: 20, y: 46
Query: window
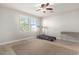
x: 28, y: 23
x: 33, y: 24
x: 24, y: 23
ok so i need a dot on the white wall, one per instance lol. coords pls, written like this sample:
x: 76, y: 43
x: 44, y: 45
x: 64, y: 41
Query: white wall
x: 68, y: 22
x: 9, y: 25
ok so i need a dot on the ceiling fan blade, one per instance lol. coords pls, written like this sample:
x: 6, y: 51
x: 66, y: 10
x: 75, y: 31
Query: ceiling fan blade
x: 47, y: 4
x: 49, y: 8
x: 42, y: 5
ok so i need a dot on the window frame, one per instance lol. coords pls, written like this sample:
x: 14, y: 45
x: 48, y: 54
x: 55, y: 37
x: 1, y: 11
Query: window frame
x: 26, y: 24
x: 29, y: 23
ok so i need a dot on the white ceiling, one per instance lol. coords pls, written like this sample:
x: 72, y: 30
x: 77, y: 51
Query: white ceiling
x: 30, y: 8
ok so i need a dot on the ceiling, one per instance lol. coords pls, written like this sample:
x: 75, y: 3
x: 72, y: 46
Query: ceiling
x: 31, y: 9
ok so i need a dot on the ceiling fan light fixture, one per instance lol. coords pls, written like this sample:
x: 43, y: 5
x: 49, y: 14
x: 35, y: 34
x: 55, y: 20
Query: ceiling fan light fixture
x: 45, y: 7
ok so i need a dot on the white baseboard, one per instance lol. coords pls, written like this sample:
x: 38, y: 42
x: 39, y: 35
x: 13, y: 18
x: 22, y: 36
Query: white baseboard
x: 4, y: 43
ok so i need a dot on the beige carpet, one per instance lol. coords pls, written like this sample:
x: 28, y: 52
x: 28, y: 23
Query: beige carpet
x: 35, y: 47
x: 6, y: 50
x: 41, y: 47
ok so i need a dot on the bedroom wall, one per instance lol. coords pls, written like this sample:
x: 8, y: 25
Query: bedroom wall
x: 65, y: 22
x: 9, y: 25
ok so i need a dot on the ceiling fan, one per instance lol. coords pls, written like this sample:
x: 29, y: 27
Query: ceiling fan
x: 45, y: 7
